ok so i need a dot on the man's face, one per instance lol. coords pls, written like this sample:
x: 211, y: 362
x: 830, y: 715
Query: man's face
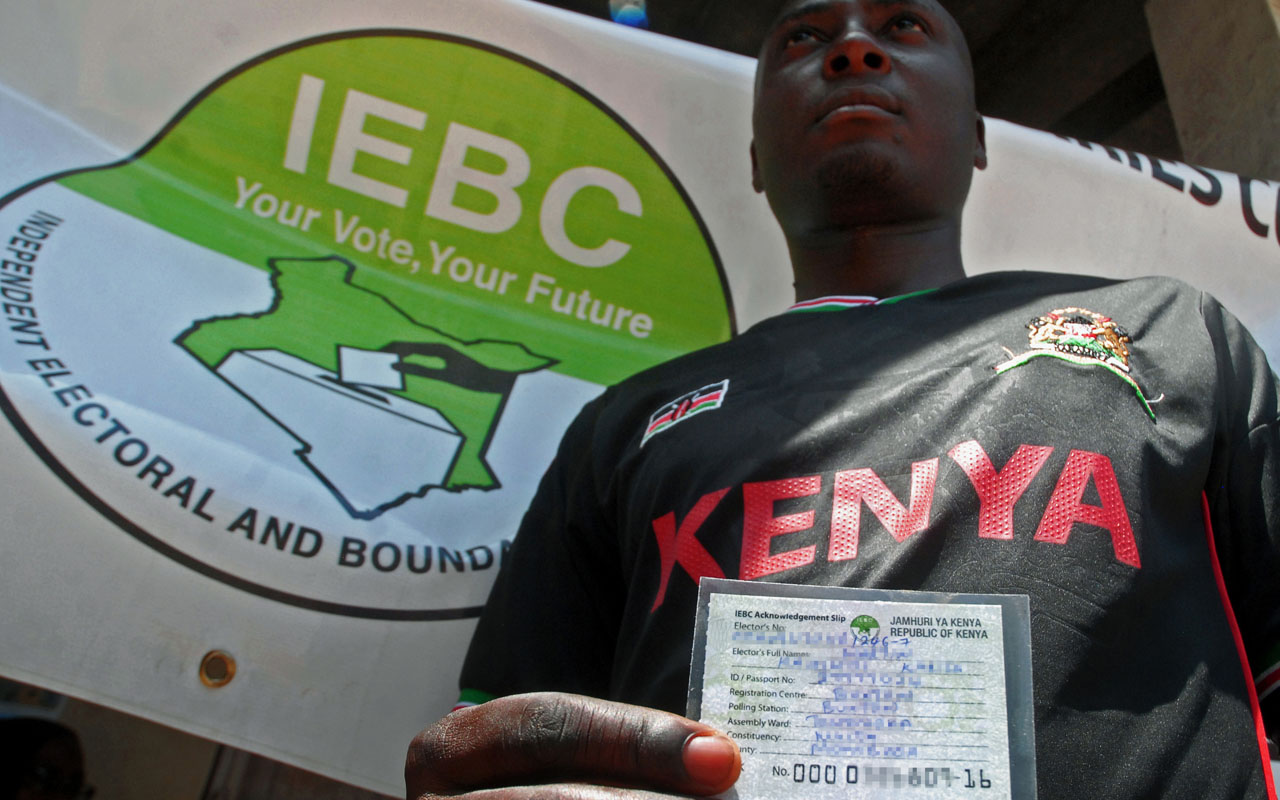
x: 864, y: 114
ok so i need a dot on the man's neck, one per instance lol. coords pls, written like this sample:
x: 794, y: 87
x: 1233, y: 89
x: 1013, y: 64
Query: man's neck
x: 881, y: 261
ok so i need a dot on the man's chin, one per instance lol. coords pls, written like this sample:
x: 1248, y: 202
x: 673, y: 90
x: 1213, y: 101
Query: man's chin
x: 857, y: 172
x: 858, y: 186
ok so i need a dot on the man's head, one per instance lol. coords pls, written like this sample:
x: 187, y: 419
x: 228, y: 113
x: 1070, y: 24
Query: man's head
x: 864, y: 115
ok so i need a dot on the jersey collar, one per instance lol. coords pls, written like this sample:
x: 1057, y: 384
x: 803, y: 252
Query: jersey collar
x: 839, y: 302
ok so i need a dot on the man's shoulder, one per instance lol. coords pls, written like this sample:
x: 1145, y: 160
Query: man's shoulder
x: 684, y: 370
x: 1033, y: 282
x: 632, y: 410
x: 1130, y: 300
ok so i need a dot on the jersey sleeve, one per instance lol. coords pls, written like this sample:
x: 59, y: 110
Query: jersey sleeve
x: 1244, y: 498
x: 551, y: 620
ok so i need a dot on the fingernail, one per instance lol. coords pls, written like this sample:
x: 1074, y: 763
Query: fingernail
x: 712, y: 760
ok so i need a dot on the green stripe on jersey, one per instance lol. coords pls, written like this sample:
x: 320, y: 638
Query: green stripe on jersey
x: 474, y: 697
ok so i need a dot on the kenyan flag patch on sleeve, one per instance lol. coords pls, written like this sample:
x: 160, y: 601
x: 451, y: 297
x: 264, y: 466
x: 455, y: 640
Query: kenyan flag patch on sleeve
x: 705, y: 399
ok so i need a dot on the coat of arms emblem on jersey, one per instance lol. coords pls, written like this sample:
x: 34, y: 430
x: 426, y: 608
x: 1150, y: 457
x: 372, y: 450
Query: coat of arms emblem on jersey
x: 1082, y: 337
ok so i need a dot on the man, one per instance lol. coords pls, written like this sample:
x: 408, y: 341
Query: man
x: 1115, y: 459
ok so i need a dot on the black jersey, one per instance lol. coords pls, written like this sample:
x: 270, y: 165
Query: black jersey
x: 1110, y: 449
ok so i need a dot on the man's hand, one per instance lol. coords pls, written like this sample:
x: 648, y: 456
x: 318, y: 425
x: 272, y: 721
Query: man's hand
x: 567, y: 746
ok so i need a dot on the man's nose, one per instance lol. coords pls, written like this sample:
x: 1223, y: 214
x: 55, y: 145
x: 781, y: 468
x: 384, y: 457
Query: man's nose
x: 855, y: 52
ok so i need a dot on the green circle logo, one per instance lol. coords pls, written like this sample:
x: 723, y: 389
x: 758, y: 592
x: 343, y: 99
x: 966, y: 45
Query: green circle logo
x: 865, y: 625
x: 329, y: 324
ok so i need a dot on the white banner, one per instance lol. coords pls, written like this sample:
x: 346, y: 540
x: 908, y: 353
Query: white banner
x: 299, y: 299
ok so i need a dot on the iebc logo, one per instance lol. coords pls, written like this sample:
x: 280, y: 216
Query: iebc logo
x: 319, y: 338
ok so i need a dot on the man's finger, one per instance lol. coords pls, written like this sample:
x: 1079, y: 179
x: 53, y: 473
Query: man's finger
x: 557, y: 791
x: 549, y: 737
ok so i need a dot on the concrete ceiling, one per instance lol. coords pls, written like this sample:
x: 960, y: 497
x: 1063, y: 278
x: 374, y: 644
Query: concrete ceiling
x: 1083, y: 68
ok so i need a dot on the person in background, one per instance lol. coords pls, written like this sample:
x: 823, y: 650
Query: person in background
x: 40, y: 760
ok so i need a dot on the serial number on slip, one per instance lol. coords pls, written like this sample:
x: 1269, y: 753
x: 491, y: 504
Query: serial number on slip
x: 869, y: 776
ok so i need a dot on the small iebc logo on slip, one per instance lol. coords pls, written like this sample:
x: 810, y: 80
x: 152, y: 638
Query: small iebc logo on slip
x: 707, y: 398
x: 320, y: 338
x: 865, y: 625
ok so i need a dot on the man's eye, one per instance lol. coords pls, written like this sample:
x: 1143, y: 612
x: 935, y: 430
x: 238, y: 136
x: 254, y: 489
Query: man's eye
x: 798, y: 36
x: 908, y: 23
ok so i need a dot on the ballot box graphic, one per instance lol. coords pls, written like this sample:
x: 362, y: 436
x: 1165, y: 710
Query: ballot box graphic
x: 370, y: 447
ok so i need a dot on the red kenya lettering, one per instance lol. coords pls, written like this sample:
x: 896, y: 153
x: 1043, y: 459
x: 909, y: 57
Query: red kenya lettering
x: 1065, y: 507
x: 998, y: 491
x: 679, y: 545
x: 857, y: 486
x: 759, y: 526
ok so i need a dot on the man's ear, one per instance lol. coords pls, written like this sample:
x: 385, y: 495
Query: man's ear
x: 980, y: 150
x: 755, y: 171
